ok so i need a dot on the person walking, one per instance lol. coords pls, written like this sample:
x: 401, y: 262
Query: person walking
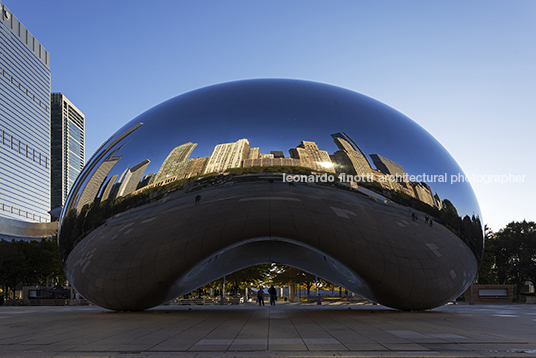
x: 273, y: 295
x: 260, y: 296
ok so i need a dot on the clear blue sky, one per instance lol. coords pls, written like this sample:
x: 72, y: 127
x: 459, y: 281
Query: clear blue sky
x: 464, y: 70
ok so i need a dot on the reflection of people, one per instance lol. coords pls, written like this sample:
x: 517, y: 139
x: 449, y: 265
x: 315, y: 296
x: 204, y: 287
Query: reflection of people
x: 273, y: 296
x: 260, y: 296
x: 197, y: 198
x: 431, y: 222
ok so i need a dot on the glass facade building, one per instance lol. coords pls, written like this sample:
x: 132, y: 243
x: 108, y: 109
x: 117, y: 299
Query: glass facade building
x: 24, y: 123
x: 67, y: 152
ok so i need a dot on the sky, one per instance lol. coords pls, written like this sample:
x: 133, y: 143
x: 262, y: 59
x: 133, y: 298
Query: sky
x: 463, y: 70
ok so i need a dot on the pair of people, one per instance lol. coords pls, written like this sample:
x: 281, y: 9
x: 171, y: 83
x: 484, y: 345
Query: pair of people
x: 271, y: 291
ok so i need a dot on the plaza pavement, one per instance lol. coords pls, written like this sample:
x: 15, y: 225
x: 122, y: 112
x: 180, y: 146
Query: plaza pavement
x: 284, y: 330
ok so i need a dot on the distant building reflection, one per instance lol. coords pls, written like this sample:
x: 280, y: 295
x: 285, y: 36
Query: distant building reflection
x: 175, y: 161
x: 348, y: 161
x: 311, y: 157
x: 228, y: 155
x: 96, y: 177
x: 91, y: 189
x: 131, y: 177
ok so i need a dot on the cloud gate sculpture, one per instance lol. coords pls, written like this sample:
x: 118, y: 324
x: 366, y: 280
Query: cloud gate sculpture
x: 257, y: 171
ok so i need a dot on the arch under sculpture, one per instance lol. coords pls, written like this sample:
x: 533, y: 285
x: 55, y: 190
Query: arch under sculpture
x: 272, y: 170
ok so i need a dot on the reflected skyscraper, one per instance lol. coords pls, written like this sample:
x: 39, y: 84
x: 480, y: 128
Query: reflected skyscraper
x: 387, y: 166
x: 312, y: 157
x: 348, y: 160
x: 24, y: 123
x: 254, y: 153
x: 91, y: 189
x: 108, y: 187
x: 228, y: 155
x: 95, y: 173
x: 350, y: 142
x: 132, y: 178
x: 196, y: 166
x: 174, y: 163
x: 67, y: 139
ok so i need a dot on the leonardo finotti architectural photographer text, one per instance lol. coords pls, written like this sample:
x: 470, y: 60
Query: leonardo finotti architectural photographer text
x: 427, y: 178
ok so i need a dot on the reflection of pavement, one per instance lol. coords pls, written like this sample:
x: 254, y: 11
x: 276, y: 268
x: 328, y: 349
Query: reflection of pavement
x: 141, y: 252
x: 283, y: 330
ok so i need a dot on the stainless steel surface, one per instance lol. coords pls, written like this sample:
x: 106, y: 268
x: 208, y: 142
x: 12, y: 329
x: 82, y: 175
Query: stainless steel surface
x: 257, y: 171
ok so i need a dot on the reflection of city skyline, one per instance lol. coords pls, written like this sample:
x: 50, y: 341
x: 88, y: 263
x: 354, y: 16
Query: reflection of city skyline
x: 349, y: 159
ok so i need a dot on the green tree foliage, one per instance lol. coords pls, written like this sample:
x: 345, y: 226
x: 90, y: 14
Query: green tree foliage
x: 515, y: 253
x: 29, y: 263
x: 487, y: 274
x: 239, y: 280
x: 11, y: 261
x: 266, y: 274
x: 510, y: 255
x: 285, y: 275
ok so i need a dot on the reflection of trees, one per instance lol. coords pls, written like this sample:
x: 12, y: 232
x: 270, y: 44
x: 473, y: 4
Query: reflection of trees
x: 75, y: 226
x: 468, y: 229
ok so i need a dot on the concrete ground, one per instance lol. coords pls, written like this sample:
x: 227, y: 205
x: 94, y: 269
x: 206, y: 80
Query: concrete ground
x: 284, y: 330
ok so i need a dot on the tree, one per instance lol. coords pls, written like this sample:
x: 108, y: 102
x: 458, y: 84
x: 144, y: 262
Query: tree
x: 285, y: 275
x: 239, y: 280
x: 250, y: 275
x: 11, y: 265
x: 487, y: 273
x: 515, y: 253
x: 29, y: 263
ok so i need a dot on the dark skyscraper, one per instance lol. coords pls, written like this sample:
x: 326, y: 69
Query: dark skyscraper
x: 387, y: 166
x: 67, y: 139
x: 347, y: 138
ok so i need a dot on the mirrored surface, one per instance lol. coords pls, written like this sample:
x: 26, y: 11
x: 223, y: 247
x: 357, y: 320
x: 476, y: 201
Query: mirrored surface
x: 294, y: 172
